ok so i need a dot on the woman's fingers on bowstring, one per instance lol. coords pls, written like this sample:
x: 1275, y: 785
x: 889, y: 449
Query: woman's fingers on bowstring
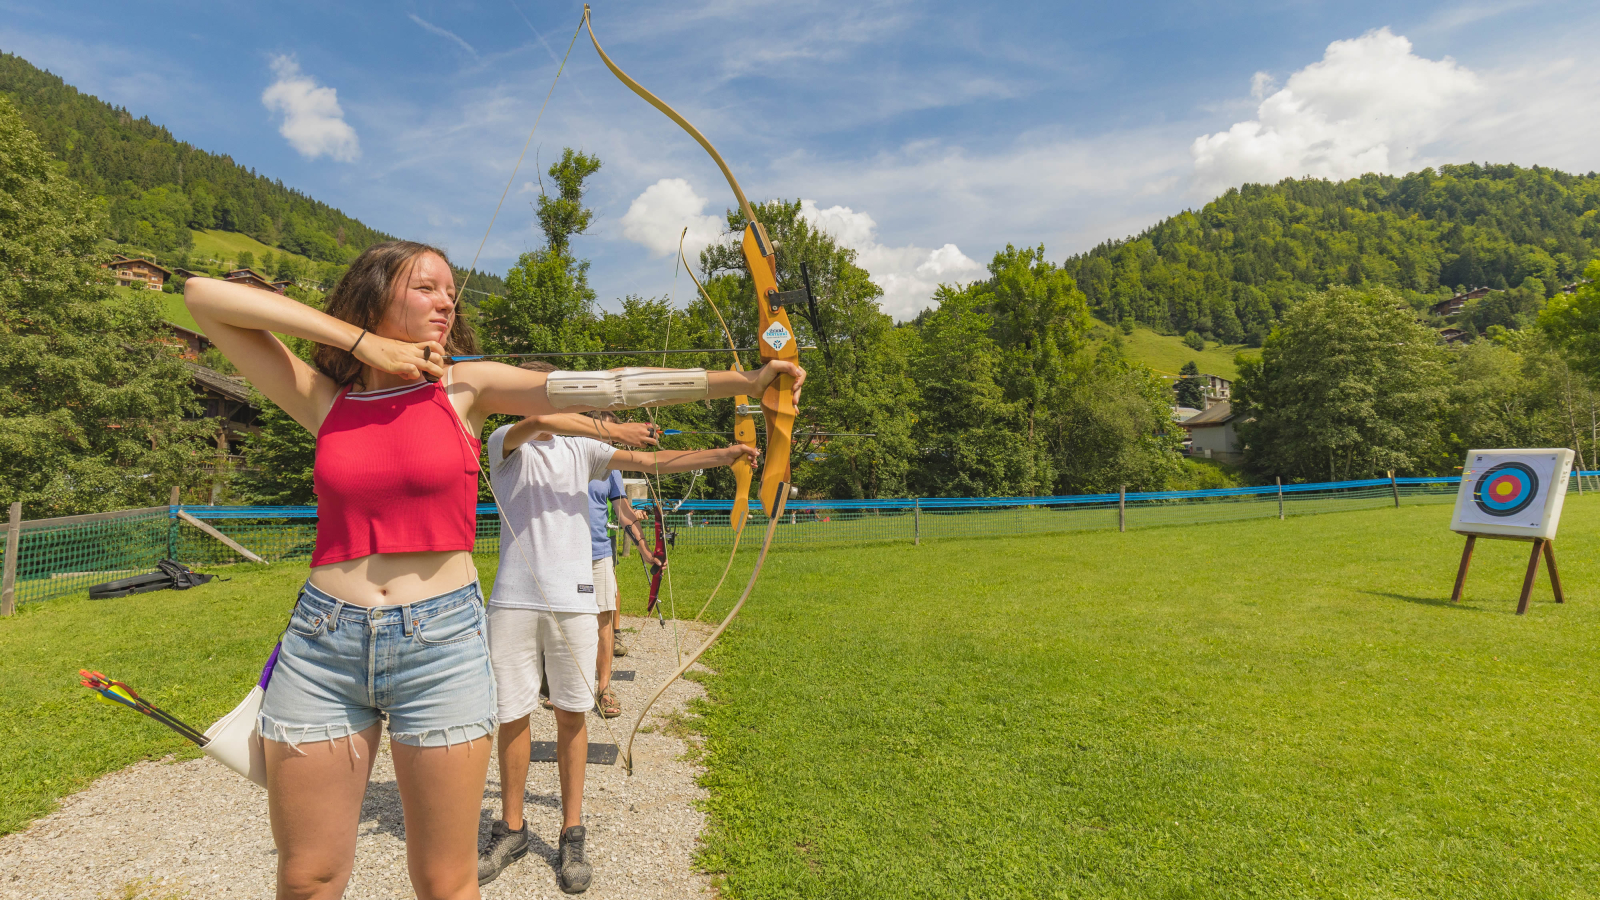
x: 402, y: 358
x: 636, y: 434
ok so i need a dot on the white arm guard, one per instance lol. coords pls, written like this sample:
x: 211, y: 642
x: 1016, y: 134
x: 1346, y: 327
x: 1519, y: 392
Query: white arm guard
x: 625, y: 388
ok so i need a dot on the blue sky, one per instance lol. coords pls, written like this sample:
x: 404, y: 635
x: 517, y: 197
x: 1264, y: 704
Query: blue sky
x: 925, y: 135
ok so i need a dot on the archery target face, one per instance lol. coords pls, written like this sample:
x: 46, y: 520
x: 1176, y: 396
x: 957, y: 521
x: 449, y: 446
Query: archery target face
x: 1512, y: 492
x: 1506, y: 489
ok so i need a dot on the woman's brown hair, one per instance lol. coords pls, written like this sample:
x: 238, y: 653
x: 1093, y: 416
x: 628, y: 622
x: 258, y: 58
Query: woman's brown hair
x: 363, y: 295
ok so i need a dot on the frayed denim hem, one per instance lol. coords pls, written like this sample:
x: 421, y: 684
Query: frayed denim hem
x: 295, y: 735
x: 448, y: 736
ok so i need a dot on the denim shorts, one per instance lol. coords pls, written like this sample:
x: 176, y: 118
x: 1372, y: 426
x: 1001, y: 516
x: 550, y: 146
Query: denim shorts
x: 423, y: 666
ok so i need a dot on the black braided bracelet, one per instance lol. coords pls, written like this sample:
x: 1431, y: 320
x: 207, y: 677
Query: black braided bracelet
x: 358, y: 341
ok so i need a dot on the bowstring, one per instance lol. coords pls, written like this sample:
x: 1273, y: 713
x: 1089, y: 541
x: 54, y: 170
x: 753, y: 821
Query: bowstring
x: 738, y: 532
x: 523, y: 155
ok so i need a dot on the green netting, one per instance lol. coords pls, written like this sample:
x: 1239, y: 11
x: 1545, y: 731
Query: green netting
x: 827, y: 526
x: 64, y: 556
x: 57, y: 557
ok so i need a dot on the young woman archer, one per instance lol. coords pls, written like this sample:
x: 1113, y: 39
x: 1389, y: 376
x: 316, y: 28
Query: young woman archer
x: 389, y: 624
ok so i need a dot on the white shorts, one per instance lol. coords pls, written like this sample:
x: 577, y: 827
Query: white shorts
x: 605, y: 584
x: 524, y: 645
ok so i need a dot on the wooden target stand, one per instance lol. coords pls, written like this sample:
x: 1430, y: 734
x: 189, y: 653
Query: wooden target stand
x: 1541, y: 546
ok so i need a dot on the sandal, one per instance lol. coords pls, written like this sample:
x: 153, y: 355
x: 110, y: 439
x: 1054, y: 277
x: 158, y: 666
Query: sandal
x: 545, y: 702
x: 609, y: 708
x: 617, y: 649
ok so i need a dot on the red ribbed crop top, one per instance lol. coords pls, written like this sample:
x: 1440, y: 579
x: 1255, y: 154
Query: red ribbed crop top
x: 395, y: 473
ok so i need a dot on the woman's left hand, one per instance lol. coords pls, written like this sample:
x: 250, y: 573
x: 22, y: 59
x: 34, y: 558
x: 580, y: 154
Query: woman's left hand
x: 770, y: 372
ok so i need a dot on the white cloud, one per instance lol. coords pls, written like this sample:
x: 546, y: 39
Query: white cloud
x: 1369, y: 105
x: 908, y: 275
x: 312, y: 120
x: 658, y: 216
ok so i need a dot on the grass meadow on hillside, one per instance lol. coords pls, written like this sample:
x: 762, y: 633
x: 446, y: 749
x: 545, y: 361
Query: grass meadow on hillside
x: 224, y: 247
x: 1166, y: 353
x: 1253, y: 709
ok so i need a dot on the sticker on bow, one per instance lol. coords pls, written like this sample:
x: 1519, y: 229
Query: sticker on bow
x: 776, y: 335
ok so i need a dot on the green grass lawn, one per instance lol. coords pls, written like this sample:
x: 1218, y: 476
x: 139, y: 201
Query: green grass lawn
x: 194, y: 653
x: 1259, y: 709
x: 1166, y: 354
x: 1250, y: 709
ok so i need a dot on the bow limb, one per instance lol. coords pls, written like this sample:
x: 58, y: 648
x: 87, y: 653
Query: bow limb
x: 658, y: 103
x: 766, y: 545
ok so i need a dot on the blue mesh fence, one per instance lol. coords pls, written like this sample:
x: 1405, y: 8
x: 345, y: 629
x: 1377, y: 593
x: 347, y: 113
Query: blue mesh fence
x: 58, y: 557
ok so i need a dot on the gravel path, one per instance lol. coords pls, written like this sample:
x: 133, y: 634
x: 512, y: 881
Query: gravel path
x: 194, y: 829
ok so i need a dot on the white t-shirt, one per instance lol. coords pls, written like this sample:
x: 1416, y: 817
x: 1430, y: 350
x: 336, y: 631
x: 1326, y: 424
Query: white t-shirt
x: 543, y: 488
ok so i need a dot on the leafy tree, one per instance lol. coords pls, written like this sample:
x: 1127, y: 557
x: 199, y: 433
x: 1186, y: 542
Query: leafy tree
x: 565, y: 215
x: 279, y: 459
x: 1573, y: 323
x: 548, y: 306
x: 1349, y: 385
x: 1194, y: 341
x: 973, y: 437
x: 92, y: 401
x: 859, y: 380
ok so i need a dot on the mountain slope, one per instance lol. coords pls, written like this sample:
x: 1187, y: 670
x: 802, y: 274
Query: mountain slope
x: 1229, y: 269
x: 158, y: 188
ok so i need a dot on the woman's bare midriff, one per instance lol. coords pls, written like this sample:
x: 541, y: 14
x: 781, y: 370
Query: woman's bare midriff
x: 390, y: 579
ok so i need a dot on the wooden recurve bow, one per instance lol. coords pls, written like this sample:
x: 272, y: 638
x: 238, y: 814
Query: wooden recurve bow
x: 776, y: 340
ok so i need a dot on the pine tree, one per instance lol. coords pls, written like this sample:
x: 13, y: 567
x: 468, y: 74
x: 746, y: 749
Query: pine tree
x: 92, y: 400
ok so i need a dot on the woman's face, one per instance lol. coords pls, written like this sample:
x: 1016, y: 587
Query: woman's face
x: 424, y: 306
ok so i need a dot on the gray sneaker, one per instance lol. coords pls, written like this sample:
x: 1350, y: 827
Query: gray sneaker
x: 505, y: 847
x: 575, y: 873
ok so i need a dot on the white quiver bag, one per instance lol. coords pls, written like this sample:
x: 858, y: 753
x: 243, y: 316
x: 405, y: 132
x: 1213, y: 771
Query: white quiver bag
x: 235, y: 739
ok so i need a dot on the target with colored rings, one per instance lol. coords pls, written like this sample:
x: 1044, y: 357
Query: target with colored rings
x: 1506, y: 489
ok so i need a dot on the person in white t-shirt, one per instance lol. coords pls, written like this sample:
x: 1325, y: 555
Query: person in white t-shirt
x: 543, y: 613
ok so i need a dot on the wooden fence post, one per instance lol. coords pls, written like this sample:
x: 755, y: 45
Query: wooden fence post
x: 8, y: 593
x: 173, y: 502
x: 1280, y: 498
x: 1122, y: 508
x: 916, y: 522
x: 1395, y: 487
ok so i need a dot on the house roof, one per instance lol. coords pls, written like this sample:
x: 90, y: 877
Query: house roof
x: 1220, y: 413
x: 182, y: 331
x: 121, y: 260
x: 230, y: 387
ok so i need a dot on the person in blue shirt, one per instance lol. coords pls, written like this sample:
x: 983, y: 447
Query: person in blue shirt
x: 602, y: 493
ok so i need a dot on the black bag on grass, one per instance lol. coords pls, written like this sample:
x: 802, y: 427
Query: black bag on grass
x: 172, y: 576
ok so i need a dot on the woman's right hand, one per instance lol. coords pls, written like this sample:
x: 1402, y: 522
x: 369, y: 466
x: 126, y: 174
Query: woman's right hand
x: 420, y: 360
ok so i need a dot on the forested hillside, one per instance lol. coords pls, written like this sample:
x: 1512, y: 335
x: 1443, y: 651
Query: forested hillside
x: 1231, y: 269
x: 158, y: 188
